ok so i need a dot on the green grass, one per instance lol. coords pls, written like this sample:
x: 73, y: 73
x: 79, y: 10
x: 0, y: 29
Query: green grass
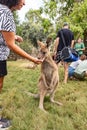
x: 23, y: 110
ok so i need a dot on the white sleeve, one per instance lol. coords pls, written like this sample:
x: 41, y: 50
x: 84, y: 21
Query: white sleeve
x: 7, y: 21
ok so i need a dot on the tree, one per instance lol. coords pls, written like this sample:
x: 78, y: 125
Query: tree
x: 67, y: 10
x: 36, y: 27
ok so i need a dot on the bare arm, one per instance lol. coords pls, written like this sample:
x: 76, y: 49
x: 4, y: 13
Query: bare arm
x: 56, y: 43
x: 72, y: 44
x: 82, y: 49
x: 10, y: 41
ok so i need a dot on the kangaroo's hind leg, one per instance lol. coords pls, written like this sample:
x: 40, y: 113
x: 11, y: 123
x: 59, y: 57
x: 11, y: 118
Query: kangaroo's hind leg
x: 53, y: 101
x: 52, y: 96
x: 42, y: 94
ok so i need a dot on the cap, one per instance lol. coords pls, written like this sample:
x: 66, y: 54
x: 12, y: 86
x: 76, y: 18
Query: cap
x: 65, y: 24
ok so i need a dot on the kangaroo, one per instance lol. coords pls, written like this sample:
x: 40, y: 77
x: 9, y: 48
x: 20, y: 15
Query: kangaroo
x: 49, y: 77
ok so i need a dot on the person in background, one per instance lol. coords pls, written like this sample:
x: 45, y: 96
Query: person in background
x: 59, y: 45
x: 79, y: 46
x: 8, y: 35
x: 74, y: 65
x: 81, y: 70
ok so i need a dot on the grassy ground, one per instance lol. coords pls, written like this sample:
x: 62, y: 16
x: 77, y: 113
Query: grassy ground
x: 23, y: 110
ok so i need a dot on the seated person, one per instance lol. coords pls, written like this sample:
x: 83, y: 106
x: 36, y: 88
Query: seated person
x: 81, y: 70
x: 74, y: 65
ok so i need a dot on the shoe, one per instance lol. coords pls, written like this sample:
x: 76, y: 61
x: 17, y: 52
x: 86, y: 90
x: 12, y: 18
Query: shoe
x: 4, y: 123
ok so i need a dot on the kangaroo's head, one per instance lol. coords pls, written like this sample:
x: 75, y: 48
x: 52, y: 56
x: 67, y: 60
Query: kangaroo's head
x: 43, y: 50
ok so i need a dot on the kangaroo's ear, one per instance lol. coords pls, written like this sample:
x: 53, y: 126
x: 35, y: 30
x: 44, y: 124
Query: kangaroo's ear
x: 48, y: 41
x: 40, y: 44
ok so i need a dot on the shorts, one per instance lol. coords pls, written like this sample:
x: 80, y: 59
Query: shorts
x: 79, y: 76
x: 3, y: 68
x: 70, y: 71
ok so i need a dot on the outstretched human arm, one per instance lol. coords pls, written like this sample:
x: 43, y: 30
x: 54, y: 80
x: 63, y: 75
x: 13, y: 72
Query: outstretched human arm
x: 9, y: 37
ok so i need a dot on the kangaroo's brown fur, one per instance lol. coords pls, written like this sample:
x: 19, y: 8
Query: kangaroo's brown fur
x: 49, y: 77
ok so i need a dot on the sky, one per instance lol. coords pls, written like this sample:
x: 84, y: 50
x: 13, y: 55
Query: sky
x: 34, y: 4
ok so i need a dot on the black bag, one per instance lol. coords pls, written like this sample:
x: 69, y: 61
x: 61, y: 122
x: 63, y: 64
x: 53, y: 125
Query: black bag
x: 57, y: 57
x: 67, y: 54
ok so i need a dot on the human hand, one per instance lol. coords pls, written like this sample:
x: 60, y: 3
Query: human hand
x: 38, y: 61
x: 18, y: 38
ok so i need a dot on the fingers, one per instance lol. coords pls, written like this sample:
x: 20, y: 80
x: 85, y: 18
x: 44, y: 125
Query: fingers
x: 38, y: 61
x: 18, y: 38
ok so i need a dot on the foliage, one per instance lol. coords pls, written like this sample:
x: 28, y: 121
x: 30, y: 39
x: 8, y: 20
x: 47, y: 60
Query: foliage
x: 80, y: 18
x: 33, y: 16
x: 72, y: 11
x: 16, y: 18
x: 17, y: 22
x: 26, y: 46
x: 23, y: 110
x: 36, y: 27
x: 50, y: 8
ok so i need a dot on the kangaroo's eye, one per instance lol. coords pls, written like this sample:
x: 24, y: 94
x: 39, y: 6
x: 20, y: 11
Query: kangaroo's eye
x: 44, y: 53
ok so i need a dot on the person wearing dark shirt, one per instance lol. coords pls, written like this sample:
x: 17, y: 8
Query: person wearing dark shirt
x: 59, y: 45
